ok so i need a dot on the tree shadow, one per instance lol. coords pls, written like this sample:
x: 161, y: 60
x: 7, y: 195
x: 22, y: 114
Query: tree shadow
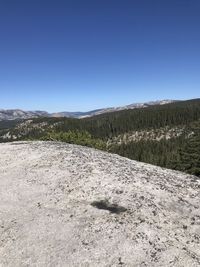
x: 105, y: 205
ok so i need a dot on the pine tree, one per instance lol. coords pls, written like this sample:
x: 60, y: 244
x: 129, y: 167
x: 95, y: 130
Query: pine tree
x: 189, y: 159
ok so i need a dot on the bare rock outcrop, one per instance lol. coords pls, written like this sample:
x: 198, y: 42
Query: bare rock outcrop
x: 67, y: 205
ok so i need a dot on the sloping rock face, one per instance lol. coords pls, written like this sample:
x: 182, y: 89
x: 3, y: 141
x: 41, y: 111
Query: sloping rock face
x: 67, y: 205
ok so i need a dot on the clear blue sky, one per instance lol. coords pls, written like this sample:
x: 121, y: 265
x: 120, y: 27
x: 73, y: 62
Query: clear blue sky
x: 81, y: 55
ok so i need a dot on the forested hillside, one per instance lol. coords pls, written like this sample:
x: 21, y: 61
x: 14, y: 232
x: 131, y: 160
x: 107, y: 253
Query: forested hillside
x: 165, y: 135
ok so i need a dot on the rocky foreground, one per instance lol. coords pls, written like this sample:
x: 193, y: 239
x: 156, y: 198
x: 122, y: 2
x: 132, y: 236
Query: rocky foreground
x: 66, y: 205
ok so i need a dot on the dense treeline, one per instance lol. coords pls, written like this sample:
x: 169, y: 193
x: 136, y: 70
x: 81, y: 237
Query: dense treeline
x: 112, y: 124
x: 177, y: 153
x: 8, y: 124
x: 188, y: 156
x: 162, y: 153
x: 181, y: 153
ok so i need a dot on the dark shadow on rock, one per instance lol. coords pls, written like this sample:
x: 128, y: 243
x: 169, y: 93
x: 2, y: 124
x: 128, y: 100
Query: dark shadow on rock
x: 105, y: 205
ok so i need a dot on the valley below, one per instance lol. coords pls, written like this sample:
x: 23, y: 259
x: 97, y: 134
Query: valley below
x: 165, y: 134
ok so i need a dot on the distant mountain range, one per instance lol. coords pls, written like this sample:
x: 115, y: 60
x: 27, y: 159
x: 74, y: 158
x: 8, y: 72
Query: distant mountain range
x: 12, y: 114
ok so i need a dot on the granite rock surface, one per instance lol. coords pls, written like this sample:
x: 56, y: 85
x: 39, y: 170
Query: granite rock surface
x: 67, y: 205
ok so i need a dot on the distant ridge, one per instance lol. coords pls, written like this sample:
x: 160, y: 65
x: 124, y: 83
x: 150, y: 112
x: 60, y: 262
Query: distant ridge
x: 13, y: 114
